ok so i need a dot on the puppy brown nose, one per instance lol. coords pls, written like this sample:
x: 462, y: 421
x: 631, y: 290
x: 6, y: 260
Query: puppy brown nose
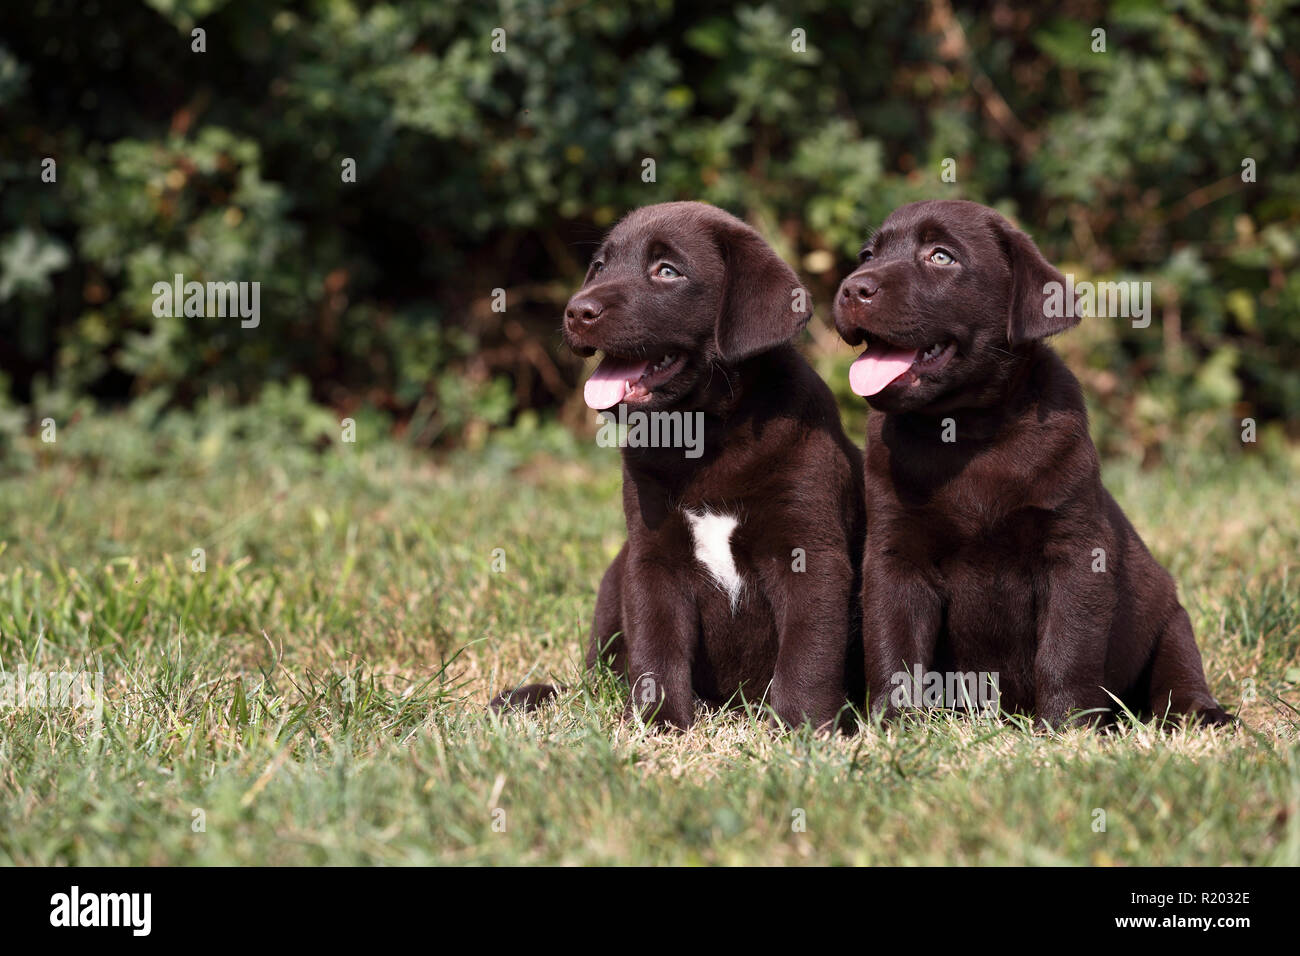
x: 582, y: 310
x: 862, y: 288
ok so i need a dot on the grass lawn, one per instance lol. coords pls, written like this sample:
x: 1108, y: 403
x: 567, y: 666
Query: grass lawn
x: 316, y: 694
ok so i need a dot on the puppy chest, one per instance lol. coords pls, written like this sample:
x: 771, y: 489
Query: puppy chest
x: 712, y: 539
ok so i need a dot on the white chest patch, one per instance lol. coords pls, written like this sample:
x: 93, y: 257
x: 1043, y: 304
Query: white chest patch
x: 712, y: 535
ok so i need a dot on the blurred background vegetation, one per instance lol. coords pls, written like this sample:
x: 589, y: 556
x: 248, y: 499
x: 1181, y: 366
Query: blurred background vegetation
x: 478, y: 170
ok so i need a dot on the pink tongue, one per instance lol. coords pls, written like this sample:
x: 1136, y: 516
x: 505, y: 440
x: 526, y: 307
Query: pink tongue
x: 608, y: 384
x: 877, y: 367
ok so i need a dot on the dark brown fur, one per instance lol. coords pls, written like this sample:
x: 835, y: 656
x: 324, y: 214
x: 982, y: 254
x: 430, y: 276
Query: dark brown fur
x: 774, y: 455
x: 980, y: 552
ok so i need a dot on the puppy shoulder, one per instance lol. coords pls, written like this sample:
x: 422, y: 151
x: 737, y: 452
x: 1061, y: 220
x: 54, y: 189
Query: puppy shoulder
x: 1056, y: 382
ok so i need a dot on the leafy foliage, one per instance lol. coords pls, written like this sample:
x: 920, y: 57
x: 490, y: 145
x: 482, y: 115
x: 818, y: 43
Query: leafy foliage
x: 480, y: 170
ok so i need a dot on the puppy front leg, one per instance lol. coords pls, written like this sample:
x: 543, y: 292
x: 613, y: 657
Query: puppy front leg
x: 901, y: 616
x: 812, y: 622
x: 662, y: 627
x: 1177, y: 678
x: 1073, y: 631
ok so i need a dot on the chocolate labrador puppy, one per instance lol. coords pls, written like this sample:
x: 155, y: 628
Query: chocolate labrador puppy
x: 739, y: 576
x: 993, y: 547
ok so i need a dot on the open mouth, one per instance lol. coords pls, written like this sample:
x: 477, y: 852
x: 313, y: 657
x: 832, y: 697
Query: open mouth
x: 618, y: 379
x: 882, y: 364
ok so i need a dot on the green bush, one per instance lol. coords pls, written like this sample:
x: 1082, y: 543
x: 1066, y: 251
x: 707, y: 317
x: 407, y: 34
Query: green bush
x: 480, y: 170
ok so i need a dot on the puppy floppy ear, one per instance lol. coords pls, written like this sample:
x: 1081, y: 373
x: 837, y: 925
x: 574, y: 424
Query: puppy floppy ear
x: 1037, y: 308
x: 763, y: 302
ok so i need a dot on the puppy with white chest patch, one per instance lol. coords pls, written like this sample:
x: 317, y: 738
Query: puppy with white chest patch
x: 739, y: 578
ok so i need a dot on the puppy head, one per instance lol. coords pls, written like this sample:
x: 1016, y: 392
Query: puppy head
x: 675, y: 289
x: 944, y: 295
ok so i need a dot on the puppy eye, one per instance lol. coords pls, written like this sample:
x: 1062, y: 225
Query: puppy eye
x: 942, y: 257
x: 667, y: 272
x: 597, y: 266
x: 864, y: 256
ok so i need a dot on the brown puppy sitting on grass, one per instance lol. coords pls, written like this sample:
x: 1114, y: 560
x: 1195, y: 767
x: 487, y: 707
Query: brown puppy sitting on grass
x: 739, y: 576
x: 993, y: 547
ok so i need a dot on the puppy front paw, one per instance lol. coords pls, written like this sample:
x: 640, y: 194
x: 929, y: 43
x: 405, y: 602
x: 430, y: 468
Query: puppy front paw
x: 1214, y: 716
x: 658, y: 714
x: 525, y: 698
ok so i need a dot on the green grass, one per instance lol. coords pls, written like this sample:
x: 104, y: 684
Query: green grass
x: 318, y: 692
